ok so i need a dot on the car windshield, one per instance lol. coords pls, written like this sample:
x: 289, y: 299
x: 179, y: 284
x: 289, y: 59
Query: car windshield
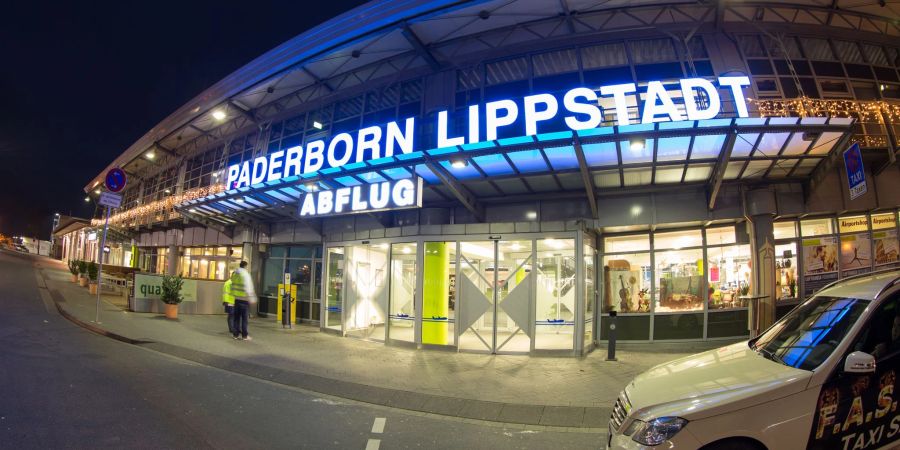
x: 808, y: 335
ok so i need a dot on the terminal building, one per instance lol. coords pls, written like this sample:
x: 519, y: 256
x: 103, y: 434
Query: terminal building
x: 500, y: 176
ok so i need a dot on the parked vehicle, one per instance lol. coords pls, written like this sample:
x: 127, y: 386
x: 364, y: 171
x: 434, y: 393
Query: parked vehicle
x: 822, y: 377
x: 21, y: 248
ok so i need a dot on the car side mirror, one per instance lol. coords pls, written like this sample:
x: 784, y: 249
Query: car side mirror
x: 859, y: 362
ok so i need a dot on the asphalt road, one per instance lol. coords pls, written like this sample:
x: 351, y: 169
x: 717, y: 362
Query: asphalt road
x: 62, y: 386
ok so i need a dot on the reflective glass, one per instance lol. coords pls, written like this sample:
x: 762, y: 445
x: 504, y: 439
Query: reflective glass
x: 403, y: 292
x: 679, y: 275
x: 556, y: 287
x: 729, y: 276
x: 626, y: 281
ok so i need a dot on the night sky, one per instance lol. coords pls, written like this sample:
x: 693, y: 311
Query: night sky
x: 82, y: 81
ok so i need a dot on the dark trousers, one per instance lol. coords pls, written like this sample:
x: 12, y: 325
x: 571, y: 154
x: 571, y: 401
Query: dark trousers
x: 229, y: 309
x: 241, y: 317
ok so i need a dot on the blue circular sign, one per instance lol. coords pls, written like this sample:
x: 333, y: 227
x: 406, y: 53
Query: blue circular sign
x: 115, y: 180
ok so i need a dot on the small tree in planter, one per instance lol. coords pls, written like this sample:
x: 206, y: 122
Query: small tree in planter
x: 73, y: 269
x: 171, y: 295
x: 82, y: 272
x: 92, y: 276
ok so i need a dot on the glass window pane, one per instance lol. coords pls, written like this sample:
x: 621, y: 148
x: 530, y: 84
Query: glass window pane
x: 679, y: 275
x: 300, y: 252
x: 273, y: 269
x: 403, y: 292
x: 729, y: 276
x: 590, y: 287
x: 366, y: 300
x: 334, y: 287
x: 784, y: 230
x: 555, y: 283
x: 606, y: 55
x: 816, y: 227
x: 616, y: 244
x: 786, y: 271
x: 221, y: 251
x: 626, y: 281
x: 677, y: 239
x: 720, y: 235
x: 886, y: 247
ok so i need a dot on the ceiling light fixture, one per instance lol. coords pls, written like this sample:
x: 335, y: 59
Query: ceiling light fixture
x: 150, y: 155
x: 87, y: 199
x: 459, y: 163
x: 636, y: 144
x: 317, y: 125
x: 219, y: 114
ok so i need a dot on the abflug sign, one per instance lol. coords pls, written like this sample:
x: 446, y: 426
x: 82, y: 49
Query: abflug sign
x: 579, y: 109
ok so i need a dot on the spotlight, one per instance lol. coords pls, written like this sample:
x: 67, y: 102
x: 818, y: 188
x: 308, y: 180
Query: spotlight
x: 317, y: 125
x: 150, y: 155
x: 219, y: 114
x: 87, y: 199
x: 459, y: 163
x: 636, y: 144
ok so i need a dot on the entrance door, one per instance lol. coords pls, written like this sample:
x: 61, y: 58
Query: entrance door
x: 494, y: 293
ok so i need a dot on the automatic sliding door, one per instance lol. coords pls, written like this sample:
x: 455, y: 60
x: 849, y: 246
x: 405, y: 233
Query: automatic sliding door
x: 475, y: 287
x: 514, y: 292
x: 366, y: 303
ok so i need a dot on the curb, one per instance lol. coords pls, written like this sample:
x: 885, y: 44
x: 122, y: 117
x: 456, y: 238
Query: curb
x: 574, y: 418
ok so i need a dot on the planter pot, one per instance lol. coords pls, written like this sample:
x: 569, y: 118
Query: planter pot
x: 74, y: 278
x: 171, y: 311
x: 83, y: 281
x: 93, y: 288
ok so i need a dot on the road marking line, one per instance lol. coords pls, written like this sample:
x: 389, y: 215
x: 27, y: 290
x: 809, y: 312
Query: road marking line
x: 378, y: 426
x: 47, y: 300
x: 373, y: 444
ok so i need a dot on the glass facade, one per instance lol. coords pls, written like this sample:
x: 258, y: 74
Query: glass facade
x: 304, y: 264
x: 209, y: 263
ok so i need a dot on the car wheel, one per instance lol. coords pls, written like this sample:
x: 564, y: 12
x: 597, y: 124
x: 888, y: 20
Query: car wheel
x: 734, y: 444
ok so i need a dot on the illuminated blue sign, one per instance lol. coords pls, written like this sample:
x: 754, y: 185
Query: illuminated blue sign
x: 580, y: 110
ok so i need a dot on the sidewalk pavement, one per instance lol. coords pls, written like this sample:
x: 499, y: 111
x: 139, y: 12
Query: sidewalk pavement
x: 530, y: 390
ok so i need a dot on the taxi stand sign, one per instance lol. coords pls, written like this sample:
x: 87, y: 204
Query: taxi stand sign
x: 856, y: 174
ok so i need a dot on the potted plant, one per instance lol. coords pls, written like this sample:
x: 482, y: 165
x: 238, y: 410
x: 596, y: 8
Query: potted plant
x: 92, y: 276
x: 171, y: 295
x: 73, y: 269
x: 82, y: 273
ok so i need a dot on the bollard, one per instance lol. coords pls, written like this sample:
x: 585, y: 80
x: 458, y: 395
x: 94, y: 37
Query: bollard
x: 611, y: 349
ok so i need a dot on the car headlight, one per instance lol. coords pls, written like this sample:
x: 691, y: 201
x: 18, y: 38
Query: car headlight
x: 656, y: 431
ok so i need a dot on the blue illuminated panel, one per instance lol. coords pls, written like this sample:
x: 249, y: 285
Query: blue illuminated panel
x: 673, y: 149
x: 371, y: 177
x: 427, y: 174
x: 397, y: 173
x: 463, y: 173
x: 707, y: 146
x: 602, y: 154
x: 528, y: 161
x: 493, y: 165
x: 348, y: 181
x: 562, y: 158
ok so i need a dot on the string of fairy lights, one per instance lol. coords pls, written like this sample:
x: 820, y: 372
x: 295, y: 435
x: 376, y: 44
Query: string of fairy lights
x: 874, y: 112
x: 131, y: 217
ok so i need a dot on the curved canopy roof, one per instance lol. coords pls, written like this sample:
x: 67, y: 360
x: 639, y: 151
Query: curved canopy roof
x: 381, y: 38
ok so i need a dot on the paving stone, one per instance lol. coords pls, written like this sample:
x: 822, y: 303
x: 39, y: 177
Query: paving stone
x: 562, y: 416
x: 530, y: 414
x: 475, y: 409
x: 596, y: 417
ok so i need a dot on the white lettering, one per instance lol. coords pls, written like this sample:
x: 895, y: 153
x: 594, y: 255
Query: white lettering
x: 368, y: 139
x: 347, y: 140
x: 379, y: 195
x: 474, y: 131
x: 403, y: 140
x: 325, y: 202
x: 341, y: 199
x: 314, y: 159
x: 442, y: 139
x: 403, y: 192
x: 292, y: 161
x: 656, y: 91
x: 259, y: 170
x: 309, y: 205
x: 618, y: 92
x: 592, y: 111
x: 244, y: 177
x: 274, y: 165
x: 358, y: 203
x: 735, y: 84
x: 689, y: 88
x: 492, y: 121
x: 533, y: 116
x: 233, y: 172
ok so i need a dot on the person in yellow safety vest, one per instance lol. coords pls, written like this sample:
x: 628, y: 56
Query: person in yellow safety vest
x: 228, y: 303
x: 244, y: 294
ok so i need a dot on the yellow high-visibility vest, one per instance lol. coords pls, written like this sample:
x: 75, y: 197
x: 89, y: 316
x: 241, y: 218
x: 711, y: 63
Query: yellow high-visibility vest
x: 226, y: 293
x: 238, y: 290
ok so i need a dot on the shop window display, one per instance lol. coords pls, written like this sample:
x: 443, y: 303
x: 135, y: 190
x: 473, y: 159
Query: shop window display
x: 786, y: 271
x: 729, y: 276
x: 679, y: 275
x: 627, y: 281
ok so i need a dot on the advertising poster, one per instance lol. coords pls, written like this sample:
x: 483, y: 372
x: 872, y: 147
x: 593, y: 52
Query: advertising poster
x: 856, y: 254
x: 820, y: 263
x: 886, y: 247
x: 148, y: 286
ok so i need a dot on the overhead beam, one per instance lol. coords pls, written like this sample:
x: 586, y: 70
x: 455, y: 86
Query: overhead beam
x: 164, y: 149
x: 227, y: 231
x: 570, y: 24
x: 420, y: 48
x: 721, y: 165
x: 243, y: 112
x: 458, y: 190
x: 317, y: 79
x: 586, y: 178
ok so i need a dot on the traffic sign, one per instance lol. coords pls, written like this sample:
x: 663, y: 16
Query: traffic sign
x: 116, y: 179
x: 110, y: 200
x: 856, y: 175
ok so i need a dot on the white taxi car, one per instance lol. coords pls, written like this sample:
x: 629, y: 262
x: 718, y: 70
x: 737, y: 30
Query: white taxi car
x: 822, y: 377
